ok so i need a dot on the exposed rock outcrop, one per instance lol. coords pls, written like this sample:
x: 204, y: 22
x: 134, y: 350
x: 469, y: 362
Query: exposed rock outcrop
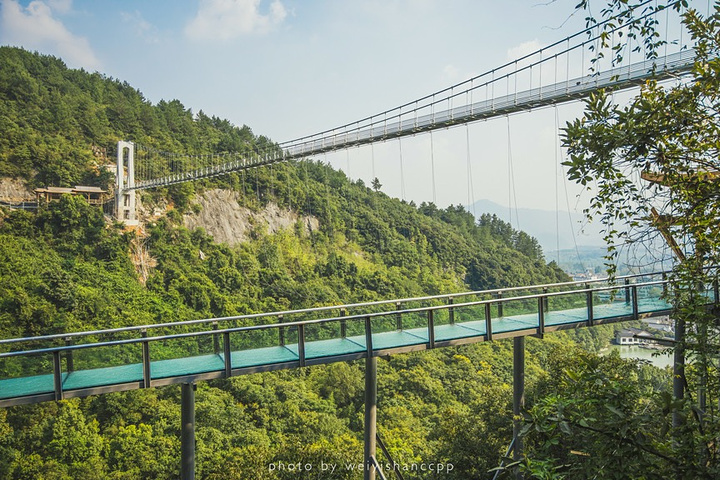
x: 221, y: 216
x: 14, y: 191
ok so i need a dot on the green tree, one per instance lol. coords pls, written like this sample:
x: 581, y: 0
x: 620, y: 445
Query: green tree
x: 653, y: 167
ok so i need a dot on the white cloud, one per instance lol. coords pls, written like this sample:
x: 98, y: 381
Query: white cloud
x: 60, y: 6
x: 523, y: 49
x: 142, y: 27
x: 450, y: 74
x: 228, y: 19
x: 36, y: 28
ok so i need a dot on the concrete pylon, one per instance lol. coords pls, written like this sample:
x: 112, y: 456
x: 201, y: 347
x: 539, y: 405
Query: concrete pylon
x: 125, y: 206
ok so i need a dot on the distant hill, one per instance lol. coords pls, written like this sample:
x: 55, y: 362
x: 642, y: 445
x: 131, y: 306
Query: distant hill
x: 543, y: 225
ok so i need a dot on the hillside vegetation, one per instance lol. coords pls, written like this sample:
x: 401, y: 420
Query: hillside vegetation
x: 67, y: 268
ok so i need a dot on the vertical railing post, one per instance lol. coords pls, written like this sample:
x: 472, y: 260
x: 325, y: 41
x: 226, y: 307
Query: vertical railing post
x: 343, y: 323
x: 488, y: 322
x: 451, y: 311
x: 57, y: 375
x: 541, y: 315
x: 664, y: 285
x: 398, y: 316
x: 500, y: 304
x: 634, y: 299
x: 187, y: 431
x: 227, y: 354
x: 69, y: 363
x: 589, y: 303
x: 546, y: 302
x: 431, y: 328
x: 627, y: 291
x: 368, y: 336
x: 216, y: 339
x: 281, y: 331
x: 716, y: 291
x: 301, y: 344
x: 145, y: 360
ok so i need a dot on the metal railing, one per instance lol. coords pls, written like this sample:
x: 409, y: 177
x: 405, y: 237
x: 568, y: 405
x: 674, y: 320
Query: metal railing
x: 438, y: 322
x: 498, y: 293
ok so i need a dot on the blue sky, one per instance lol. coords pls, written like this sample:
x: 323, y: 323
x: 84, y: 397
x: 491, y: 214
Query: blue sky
x: 289, y: 68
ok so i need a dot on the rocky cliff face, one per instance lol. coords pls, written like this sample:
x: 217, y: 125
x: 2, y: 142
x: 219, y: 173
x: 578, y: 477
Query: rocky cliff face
x: 222, y: 217
x: 15, y: 191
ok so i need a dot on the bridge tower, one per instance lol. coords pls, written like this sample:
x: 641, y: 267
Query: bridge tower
x: 125, y: 210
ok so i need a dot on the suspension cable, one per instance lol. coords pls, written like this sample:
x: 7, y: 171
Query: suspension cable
x: 567, y: 198
x: 512, y: 192
x: 557, y: 186
x: 471, y: 190
x: 402, y: 172
x: 347, y: 161
x: 432, y: 167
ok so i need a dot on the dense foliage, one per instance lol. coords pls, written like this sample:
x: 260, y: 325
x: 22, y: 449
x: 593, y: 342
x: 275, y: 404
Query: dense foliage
x: 67, y: 268
x: 52, y: 117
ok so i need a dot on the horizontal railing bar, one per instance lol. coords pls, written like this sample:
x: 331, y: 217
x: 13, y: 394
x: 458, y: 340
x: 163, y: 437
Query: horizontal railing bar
x: 317, y: 309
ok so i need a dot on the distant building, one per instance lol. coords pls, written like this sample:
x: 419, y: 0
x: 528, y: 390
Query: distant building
x: 626, y: 336
x: 93, y: 195
x: 663, y: 324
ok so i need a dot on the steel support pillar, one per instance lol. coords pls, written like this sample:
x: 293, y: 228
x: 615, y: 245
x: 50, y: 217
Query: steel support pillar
x: 518, y: 397
x: 370, y: 416
x: 187, y: 432
x: 679, y: 368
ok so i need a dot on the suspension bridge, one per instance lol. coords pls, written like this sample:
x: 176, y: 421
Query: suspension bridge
x: 55, y: 367
x: 560, y: 73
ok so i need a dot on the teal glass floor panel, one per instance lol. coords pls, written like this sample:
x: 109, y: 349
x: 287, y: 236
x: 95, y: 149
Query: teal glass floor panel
x: 505, y: 324
x: 331, y: 347
x: 456, y: 331
x: 262, y: 356
x: 610, y: 310
x: 186, y: 366
x: 649, y: 305
x: 566, y: 316
x: 25, y: 386
x: 98, y: 377
x: 399, y: 338
x: 515, y: 322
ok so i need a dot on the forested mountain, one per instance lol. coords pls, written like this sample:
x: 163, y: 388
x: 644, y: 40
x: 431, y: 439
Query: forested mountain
x: 67, y: 268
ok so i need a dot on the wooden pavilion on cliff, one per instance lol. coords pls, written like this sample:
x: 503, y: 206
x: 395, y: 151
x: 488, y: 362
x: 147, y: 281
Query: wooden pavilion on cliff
x: 93, y: 195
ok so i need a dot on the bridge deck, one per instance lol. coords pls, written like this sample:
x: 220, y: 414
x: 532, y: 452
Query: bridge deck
x: 82, y: 382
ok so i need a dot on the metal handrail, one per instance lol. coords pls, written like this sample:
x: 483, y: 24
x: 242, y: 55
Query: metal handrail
x: 316, y: 321
x: 321, y: 309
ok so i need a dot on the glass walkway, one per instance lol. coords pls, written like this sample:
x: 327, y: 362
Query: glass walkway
x: 54, y: 367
